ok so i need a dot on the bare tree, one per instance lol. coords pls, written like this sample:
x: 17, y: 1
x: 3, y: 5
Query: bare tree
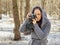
x: 43, y: 3
x: 16, y: 20
x: 27, y: 8
x: 21, y: 1
x: 0, y: 10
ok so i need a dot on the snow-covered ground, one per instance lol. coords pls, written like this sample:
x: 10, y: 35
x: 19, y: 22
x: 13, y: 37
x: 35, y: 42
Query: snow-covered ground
x: 6, y: 23
x: 7, y: 38
x: 6, y: 32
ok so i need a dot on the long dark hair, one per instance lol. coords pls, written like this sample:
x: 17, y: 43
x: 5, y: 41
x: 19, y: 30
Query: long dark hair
x: 40, y: 21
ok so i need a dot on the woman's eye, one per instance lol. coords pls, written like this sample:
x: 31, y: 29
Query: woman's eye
x: 38, y: 14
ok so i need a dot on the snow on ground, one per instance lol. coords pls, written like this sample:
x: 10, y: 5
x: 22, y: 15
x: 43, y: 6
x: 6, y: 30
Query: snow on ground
x: 7, y: 38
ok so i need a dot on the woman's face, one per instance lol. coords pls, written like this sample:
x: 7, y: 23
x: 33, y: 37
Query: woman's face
x: 37, y: 12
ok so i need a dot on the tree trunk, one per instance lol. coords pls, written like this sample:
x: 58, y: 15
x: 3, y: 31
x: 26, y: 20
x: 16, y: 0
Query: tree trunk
x: 0, y: 10
x: 43, y: 3
x: 27, y: 8
x: 21, y: 1
x: 16, y: 20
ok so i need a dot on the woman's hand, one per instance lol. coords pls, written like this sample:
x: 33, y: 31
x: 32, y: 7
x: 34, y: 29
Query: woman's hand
x: 28, y: 15
x: 34, y: 21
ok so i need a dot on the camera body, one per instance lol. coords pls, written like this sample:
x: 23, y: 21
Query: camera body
x: 29, y: 24
x: 32, y: 16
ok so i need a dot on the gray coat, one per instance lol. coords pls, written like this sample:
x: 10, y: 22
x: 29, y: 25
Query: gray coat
x: 39, y: 35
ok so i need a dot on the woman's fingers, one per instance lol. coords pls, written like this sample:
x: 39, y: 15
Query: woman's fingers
x: 34, y: 21
x: 28, y: 15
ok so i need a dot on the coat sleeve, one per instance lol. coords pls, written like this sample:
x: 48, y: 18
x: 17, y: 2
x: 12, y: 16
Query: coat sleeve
x: 42, y: 33
x: 23, y: 28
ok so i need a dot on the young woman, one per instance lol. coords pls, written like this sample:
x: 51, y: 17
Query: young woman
x: 41, y: 27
